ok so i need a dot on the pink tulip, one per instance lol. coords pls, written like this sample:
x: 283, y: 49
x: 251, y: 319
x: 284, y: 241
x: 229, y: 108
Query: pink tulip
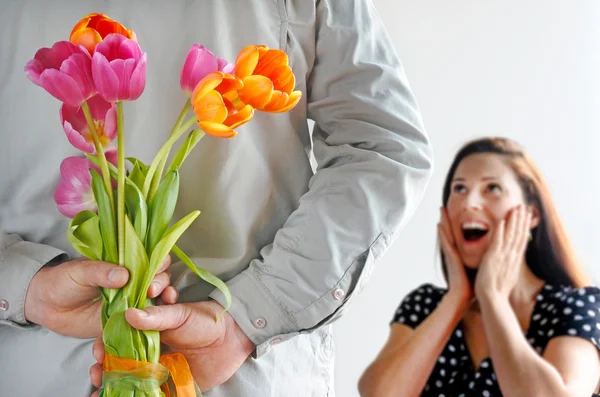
x: 74, y: 192
x: 65, y: 71
x: 77, y: 129
x: 119, y: 68
x: 198, y: 63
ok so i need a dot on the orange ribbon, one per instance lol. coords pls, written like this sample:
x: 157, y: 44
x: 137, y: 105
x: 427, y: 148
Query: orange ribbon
x: 175, y: 363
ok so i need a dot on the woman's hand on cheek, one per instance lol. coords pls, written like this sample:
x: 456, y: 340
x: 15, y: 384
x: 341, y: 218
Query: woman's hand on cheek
x: 500, y: 266
x: 458, y: 282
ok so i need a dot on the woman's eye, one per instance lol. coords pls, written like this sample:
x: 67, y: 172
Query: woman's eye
x: 459, y: 188
x: 494, y: 188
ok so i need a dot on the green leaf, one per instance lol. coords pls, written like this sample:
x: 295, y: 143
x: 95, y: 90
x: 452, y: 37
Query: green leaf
x: 138, y: 172
x: 117, y: 336
x: 161, y: 209
x: 137, y: 209
x: 184, y: 150
x: 134, y: 199
x: 84, y: 234
x: 204, y: 275
x: 107, y: 219
x: 163, y: 248
x: 136, y: 261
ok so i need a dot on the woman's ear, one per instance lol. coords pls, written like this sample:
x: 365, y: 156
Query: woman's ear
x: 536, y: 216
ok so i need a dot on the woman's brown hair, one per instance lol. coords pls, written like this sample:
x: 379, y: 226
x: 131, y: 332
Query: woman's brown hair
x: 549, y: 254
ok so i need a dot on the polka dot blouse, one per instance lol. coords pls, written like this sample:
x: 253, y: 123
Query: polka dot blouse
x: 558, y: 311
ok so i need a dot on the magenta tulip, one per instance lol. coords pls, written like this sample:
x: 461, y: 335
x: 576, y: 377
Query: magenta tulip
x: 65, y: 71
x: 119, y: 68
x: 78, y: 133
x: 74, y: 192
x: 198, y: 63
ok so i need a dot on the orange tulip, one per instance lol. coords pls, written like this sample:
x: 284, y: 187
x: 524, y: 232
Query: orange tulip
x: 93, y: 28
x: 268, y: 79
x: 217, y: 106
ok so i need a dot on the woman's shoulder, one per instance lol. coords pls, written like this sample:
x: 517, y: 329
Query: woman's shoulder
x: 574, y: 311
x: 418, y: 304
x: 571, y: 296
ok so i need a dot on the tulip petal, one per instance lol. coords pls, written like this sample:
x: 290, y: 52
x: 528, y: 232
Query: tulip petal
x: 211, y: 108
x: 123, y: 69
x: 207, y: 84
x: 79, y: 67
x: 217, y: 129
x: 61, y: 86
x: 74, y: 172
x: 98, y: 107
x: 240, y: 117
x: 229, y: 83
x: 278, y: 101
x: 257, y: 91
x: 246, y: 61
x: 198, y: 63
x: 283, y: 79
x: 293, y: 101
x: 53, y: 57
x: 33, y: 70
x: 270, y: 61
x: 110, y: 123
x: 76, y: 139
x: 137, y: 81
x: 127, y: 48
x: 105, y: 79
x: 87, y: 37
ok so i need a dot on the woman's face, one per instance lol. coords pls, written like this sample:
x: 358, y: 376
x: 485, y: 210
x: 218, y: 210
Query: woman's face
x: 484, y: 189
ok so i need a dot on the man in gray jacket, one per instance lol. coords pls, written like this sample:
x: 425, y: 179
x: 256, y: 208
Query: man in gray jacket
x: 295, y: 242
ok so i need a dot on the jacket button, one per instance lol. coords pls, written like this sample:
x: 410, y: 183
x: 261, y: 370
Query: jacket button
x: 338, y: 294
x: 260, y: 322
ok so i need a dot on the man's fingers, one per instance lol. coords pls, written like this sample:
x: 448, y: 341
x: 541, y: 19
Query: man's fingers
x: 96, y: 393
x: 165, y: 265
x: 158, y: 285
x: 169, y: 296
x: 159, y: 318
x: 97, y: 274
x: 98, y: 350
x: 96, y: 375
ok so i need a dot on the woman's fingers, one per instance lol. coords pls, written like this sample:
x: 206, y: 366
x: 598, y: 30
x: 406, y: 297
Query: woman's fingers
x: 445, y: 221
x: 447, y: 248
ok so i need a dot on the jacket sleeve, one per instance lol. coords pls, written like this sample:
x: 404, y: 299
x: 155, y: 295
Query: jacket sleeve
x: 374, y: 162
x: 19, y: 262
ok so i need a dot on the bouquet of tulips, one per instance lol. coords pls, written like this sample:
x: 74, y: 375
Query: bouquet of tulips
x: 122, y: 208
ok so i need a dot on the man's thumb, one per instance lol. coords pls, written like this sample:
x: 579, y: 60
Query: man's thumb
x: 159, y: 318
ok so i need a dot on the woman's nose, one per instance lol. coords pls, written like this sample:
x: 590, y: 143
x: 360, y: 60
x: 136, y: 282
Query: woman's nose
x: 472, y: 201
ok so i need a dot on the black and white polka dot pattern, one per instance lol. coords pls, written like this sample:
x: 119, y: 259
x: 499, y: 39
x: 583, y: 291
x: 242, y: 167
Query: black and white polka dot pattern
x: 558, y: 311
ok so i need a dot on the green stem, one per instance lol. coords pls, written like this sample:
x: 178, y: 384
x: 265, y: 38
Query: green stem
x: 161, y: 166
x: 191, y: 141
x: 150, y: 181
x: 99, y: 152
x: 121, y: 184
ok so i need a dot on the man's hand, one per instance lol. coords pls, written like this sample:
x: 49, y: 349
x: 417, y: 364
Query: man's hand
x: 64, y: 298
x: 214, y: 350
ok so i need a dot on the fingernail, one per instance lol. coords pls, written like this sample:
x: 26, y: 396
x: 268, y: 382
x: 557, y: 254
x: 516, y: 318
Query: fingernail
x: 116, y: 275
x: 143, y: 313
x: 153, y: 286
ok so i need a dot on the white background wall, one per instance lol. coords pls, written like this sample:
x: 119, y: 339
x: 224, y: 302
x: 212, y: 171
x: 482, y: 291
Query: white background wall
x: 526, y: 69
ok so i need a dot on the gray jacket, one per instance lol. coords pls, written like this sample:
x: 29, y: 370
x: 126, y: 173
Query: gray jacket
x: 295, y: 245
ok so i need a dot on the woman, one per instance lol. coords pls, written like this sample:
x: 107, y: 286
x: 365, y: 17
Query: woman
x: 517, y: 318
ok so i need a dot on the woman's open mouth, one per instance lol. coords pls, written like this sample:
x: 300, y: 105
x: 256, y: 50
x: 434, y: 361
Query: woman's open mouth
x: 474, y: 231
